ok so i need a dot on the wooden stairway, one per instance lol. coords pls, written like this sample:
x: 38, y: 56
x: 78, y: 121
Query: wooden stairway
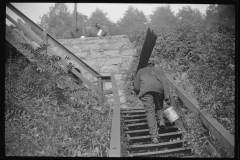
x: 171, y: 143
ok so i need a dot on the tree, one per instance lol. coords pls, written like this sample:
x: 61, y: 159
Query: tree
x: 57, y: 20
x: 216, y: 13
x: 82, y: 22
x: 132, y: 21
x: 98, y: 16
x: 189, y: 15
x: 163, y: 17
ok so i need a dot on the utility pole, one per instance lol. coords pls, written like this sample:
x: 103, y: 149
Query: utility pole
x: 75, y: 16
x: 83, y: 25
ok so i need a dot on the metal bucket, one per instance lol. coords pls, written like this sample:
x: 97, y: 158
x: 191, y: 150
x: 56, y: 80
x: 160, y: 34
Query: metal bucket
x: 99, y: 32
x: 171, y: 114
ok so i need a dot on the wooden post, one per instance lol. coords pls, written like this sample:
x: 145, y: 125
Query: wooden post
x: 75, y: 16
x: 44, y: 39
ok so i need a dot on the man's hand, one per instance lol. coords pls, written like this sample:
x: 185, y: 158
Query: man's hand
x: 168, y: 101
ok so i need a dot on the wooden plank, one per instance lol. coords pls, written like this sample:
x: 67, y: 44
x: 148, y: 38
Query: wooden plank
x: 160, y: 135
x: 145, y: 130
x: 35, y: 37
x: 136, y: 131
x: 137, y: 124
x: 89, y: 83
x: 169, y: 151
x: 132, y: 108
x: 213, y: 151
x: 219, y: 132
x: 64, y: 49
x: 17, y: 40
x: 134, y: 111
x: 115, y: 144
x: 131, y: 116
x: 134, y: 120
x: 106, y: 79
x: 100, y: 85
x: 217, y: 129
x: 156, y: 145
x: 44, y: 38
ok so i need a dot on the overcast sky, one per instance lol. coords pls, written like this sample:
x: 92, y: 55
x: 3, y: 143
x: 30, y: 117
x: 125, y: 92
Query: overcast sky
x: 114, y: 11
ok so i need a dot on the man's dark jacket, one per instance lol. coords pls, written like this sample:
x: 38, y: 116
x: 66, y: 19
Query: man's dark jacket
x: 146, y: 81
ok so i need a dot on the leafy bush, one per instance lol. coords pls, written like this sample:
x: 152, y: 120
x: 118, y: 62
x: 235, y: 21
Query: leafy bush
x: 201, y: 59
x: 48, y: 114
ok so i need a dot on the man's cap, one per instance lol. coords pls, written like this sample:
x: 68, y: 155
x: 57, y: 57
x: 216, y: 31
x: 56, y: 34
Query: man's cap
x: 151, y: 60
x: 96, y: 24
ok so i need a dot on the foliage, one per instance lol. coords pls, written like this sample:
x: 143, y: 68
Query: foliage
x: 57, y: 116
x: 57, y: 20
x: 133, y: 21
x: 216, y: 13
x: 163, y: 17
x: 189, y: 15
x: 201, y: 59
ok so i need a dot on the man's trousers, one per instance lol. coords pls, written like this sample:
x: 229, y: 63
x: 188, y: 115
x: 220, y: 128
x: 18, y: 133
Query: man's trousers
x: 148, y: 100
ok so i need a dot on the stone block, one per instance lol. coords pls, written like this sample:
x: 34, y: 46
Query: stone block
x: 81, y: 54
x: 116, y: 61
x: 107, y: 47
x: 110, y: 69
x: 101, y: 61
x: 77, y: 48
x: 90, y: 62
x: 111, y: 53
x: 90, y: 47
x: 127, y: 52
x: 97, y: 41
x: 95, y: 54
x: 118, y: 45
x: 118, y: 77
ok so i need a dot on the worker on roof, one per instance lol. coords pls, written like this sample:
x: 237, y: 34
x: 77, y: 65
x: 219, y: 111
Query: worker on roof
x: 71, y: 33
x: 151, y: 86
x: 102, y: 30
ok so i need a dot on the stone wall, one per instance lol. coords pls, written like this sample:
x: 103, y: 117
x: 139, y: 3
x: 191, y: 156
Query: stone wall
x: 107, y: 55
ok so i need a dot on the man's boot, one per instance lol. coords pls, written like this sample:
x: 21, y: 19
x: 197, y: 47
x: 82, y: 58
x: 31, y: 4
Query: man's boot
x: 161, y: 119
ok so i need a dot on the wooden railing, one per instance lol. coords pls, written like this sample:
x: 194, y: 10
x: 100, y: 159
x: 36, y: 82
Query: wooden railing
x: 115, y: 144
x: 216, y: 129
x: 47, y: 37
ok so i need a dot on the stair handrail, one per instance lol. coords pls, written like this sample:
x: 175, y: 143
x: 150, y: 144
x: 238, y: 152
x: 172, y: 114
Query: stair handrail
x: 216, y: 128
x: 115, y: 143
x: 41, y: 31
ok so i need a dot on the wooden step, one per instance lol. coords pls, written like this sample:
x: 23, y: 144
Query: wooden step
x: 132, y: 108
x: 160, y: 135
x: 133, y: 111
x: 134, y: 120
x: 137, y: 124
x: 131, y: 116
x: 156, y: 145
x: 147, y: 130
x: 142, y: 123
x: 169, y: 151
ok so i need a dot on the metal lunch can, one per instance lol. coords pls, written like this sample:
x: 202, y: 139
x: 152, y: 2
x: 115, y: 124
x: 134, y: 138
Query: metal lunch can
x: 171, y: 114
x: 99, y: 32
